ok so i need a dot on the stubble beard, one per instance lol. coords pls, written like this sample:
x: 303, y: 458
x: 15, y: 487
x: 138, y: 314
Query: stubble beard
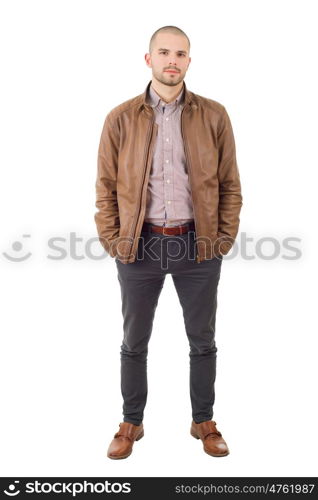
x: 167, y: 80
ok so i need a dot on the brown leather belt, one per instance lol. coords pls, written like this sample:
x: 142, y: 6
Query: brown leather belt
x: 169, y: 231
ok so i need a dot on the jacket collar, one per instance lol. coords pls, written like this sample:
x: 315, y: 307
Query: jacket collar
x: 154, y: 99
x: 188, y: 96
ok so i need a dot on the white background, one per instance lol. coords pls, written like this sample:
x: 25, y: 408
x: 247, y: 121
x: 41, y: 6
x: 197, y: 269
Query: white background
x: 64, y: 65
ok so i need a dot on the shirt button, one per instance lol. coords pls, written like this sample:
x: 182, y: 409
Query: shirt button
x: 167, y: 161
x: 168, y: 202
x: 167, y: 139
x: 167, y: 119
x: 168, y: 181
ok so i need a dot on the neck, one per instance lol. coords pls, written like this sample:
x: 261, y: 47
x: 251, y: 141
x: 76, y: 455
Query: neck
x: 166, y: 92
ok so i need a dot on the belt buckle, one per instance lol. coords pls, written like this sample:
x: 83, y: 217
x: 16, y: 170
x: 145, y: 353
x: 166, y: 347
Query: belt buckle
x: 163, y: 231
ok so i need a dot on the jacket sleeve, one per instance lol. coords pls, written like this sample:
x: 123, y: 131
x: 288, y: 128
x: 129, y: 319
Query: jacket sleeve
x: 107, y: 218
x: 230, y: 196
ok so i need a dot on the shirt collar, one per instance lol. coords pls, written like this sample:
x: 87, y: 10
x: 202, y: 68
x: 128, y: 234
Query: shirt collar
x: 154, y: 99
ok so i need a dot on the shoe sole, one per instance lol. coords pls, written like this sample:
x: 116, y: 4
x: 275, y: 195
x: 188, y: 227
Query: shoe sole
x: 120, y: 457
x: 208, y: 452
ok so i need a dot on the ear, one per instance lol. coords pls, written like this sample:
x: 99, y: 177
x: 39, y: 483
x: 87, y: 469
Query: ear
x: 148, y: 59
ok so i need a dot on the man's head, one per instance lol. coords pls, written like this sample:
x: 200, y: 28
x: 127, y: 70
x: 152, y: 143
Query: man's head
x: 168, y: 56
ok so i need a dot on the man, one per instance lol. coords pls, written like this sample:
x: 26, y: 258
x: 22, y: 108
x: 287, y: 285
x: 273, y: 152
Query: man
x: 168, y: 198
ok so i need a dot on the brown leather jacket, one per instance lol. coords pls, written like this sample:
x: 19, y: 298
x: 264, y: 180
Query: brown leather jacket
x: 124, y: 162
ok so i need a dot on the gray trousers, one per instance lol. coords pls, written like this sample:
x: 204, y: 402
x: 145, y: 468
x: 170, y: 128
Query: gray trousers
x: 196, y: 284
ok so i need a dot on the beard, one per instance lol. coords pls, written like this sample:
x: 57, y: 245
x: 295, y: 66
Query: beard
x: 166, y: 79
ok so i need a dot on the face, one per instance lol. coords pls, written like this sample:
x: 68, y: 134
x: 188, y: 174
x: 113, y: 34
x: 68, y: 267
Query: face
x: 169, y: 58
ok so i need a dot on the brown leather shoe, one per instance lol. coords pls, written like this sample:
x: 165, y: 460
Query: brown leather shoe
x: 213, y: 443
x: 122, y: 444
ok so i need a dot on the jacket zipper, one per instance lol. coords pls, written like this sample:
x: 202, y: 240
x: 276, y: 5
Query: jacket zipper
x: 149, y: 136
x: 190, y: 168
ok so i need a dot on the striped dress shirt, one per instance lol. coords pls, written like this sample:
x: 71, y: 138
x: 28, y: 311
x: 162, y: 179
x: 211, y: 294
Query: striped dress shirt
x: 169, y: 201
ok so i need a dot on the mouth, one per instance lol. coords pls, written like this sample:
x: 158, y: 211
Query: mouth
x: 171, y: 71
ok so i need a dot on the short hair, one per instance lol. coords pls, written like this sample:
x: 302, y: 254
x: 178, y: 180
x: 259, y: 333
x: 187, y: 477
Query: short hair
x: 167, y: 29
